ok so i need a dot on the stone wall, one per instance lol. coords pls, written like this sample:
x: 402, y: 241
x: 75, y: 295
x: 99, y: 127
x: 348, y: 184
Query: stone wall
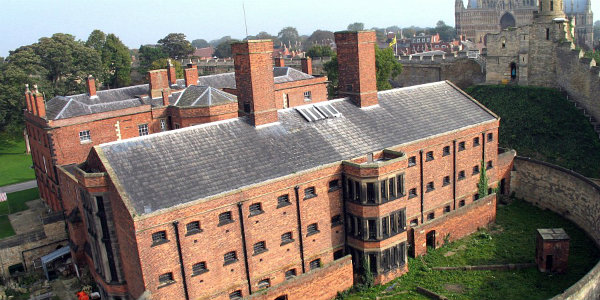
x: 567, y: 193
x: 461, y: 71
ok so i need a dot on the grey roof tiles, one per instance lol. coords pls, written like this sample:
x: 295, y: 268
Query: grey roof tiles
x: 171, y: 168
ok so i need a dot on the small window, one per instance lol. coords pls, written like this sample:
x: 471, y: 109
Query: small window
x: 225, y: 218
x: 334, y: 185
x: 430, y: 216
x: 412, y: 161
x: 490, y: 137
x: 414, y: 222
x: 446, y: 180
x: 165, y: 278
x: 256, y: 209
x: 177, y: 126
x: 289, y: 274
x: 260, y: 247
x: 412, y: 193
x: 430, y: 186
x: 338, y: 254
x: 199, y: 268
x: 286, y: 238
x: 489, y: 165
x: 230, y: 257
x: 264, y: 284
x: 312, y: 229
x: 246, y: 106
x: 429, y: 156
x: 159, y: 237
x: 315, y: 264
x: 84, y: 136
x: 461, y: 203
x: 163, y: 125
x: 447, y: 209
x: 475, y: 142
x: 461, y: 146
x: 307, y: 96
x: 475, y: 170
x: 446, y: 150
x: 143, y: 129
x: 476, y: 197
x: 310, y: 192
x: 461, y: 175
x: 336, y: 220
x: 400, y: 185
x: 237, y: 295
x: 193, y: 227
x: 283, y: 200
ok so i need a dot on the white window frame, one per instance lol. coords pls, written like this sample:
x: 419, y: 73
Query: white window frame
x: 307, y: 96
x: 143, y: 129
x: 85, y: 137
x: 163, y: 125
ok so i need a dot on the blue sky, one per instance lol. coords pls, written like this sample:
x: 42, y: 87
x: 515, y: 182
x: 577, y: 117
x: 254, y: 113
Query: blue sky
x: 139, y: 22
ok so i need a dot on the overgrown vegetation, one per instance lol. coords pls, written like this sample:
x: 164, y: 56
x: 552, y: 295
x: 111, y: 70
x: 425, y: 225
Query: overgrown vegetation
x: 510, y: 240
x: 15, y: 164
x: 541, y: 123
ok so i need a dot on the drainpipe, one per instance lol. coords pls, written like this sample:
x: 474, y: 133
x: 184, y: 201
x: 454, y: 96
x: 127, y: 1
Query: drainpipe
x: 182, y: 266
x: 454, y: 173
x: 244, y: 248
x: 421, y: 185
x: 300, y: 235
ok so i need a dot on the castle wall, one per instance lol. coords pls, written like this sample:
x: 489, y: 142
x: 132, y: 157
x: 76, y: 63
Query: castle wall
x: 463, y: 72
x: 569, y: 194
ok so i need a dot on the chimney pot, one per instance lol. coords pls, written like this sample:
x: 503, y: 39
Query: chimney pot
x: 158, y: 81
x: 28, y: 101
x: 39, y: 103
x: 191, y: 75
x: 171, y: 72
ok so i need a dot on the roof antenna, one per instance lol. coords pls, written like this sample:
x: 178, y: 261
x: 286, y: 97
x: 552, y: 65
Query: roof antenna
x: 245, y: 24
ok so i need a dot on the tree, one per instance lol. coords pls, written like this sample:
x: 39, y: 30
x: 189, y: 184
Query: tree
x: 161, y: 63
x: 386, y: 64
x: 116, y: 61
x: 288, y: 36
x: 447, y: 33
x: 482, y: 185
x: 356, y: 26
x: 96, y: 40
x: 176, y: 46
x: 200, y: 43
x: 320, y: 51
x: 217, y: 42
x: 223, y: 50
x: 320, y: 37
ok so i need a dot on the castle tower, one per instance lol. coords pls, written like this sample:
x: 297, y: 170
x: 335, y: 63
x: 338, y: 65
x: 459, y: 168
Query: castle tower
x: 551, y: 9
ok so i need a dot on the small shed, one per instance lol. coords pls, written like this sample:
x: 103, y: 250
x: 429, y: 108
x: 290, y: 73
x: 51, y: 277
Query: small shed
x: 552, y: 250
x: 54, y: 255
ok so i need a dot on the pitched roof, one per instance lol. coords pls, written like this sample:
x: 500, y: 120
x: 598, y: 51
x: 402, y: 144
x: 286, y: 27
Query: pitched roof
x: 175, y: 167
x: 203, y: 96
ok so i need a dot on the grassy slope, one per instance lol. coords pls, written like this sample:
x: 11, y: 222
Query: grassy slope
x: 512, y: 241
x: 14, y: 162
x: 540, y: 123
x: 16, y: 201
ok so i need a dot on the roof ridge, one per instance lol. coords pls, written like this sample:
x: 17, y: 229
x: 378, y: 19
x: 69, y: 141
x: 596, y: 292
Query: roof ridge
x: 199, y: 97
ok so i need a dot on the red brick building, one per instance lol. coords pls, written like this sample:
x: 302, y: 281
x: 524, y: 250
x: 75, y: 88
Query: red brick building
x: 269, y: 204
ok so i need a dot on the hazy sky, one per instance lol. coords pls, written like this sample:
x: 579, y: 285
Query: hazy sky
x: 139, y: 22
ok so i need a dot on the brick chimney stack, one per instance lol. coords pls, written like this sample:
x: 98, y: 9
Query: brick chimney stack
x: 171, y: 72
x: 40, y: 104
x: 28, y: 98
x: 306, y: 65
x: 165, y: 97
x: 356, y: 65
x: 158, y: 81
x: 90, y: 82
x: 279, y: 62
x: 190, y: 74
x: 254, y: 81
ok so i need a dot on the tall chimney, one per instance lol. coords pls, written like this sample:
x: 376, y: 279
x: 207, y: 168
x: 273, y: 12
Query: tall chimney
x: 254, y: 80
x: 28, y: 98
x: 190, y: 74
x: 306, y: 65
x: 171, y: 72
x: 40, y: 104
x: 158, y: 81
x: 356, y: 66
x: 165, y: 97
x: 279, y: 62
x: 91, y: 86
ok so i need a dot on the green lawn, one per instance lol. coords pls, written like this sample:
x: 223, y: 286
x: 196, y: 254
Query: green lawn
x: 510, y: 240
x: 6, y: 229
x: 541, y: 123
x: 15, y: 164
x: 17, y: 200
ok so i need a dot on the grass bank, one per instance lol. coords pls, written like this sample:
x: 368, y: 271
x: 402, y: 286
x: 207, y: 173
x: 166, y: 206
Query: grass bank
x: 15, y: 203
x: 15, y: 164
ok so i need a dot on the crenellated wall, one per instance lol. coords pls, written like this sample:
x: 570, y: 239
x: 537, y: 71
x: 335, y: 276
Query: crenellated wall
x: 457, y: 68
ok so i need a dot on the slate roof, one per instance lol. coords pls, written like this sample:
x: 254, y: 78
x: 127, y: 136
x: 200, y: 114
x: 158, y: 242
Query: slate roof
x: 204, y: 96
x: 63, y: 107
x: 175, y: 167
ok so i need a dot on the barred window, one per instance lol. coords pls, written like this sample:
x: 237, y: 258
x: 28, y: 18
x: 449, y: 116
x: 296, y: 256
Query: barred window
x: 165, y: 278
x: 461, y: 175
x: 237, y: 295
x: 193, y: 227
x: 290, y: 273
x: 287, y: 238
x: 461, y: 146
x: 430, y: 216
x: 230, y: 257
x: 143, y: 129
x: 310, y: 192
x: 336, y: 220
x: 256, y: 209
x: 84, y: 136
x: 312, y: 229
x: 225, y: 218
x: 412, y: 161
x: 334, y: 185
x: 260, y: 247
x: 283, y: 200
x: 475, y: 170
x: 490, y: 137
x: 159, y: 237
x: 429, y: 156
x: 412, y: 193
x: 475, y: 142
x: 447, y: 209
x: 489, y: 165
x: 446, y: 180
x: 430, y: 186
x: 446, y: 150
x: 263, y: 284
x: 307, y: 96
x: 461, y: 203
x: 199, y: 268
x: 315, y: 264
